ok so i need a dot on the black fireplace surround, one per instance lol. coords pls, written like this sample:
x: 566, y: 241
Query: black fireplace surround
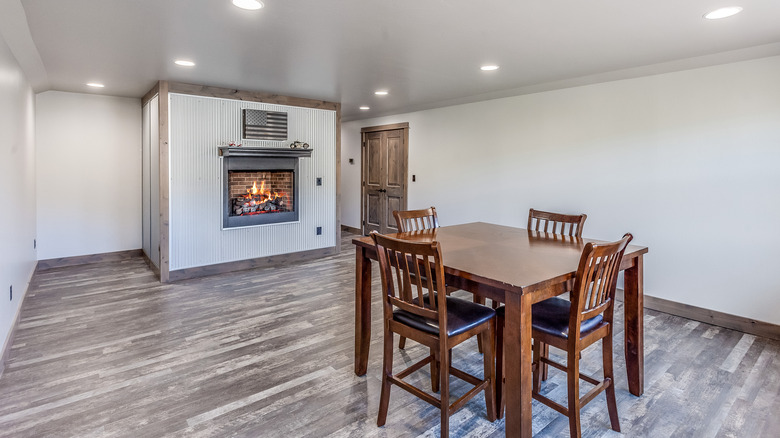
x: 274, y: 160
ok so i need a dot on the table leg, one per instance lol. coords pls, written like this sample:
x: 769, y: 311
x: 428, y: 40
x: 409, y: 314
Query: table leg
x: 517, y: 350
x: 362, y: 310
x: 633, y: 305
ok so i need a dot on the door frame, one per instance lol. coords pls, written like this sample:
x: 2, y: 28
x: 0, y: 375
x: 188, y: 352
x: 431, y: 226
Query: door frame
x: 364, y: 163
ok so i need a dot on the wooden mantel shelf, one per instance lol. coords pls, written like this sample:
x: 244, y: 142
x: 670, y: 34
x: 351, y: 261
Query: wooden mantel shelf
x: 226, y: 151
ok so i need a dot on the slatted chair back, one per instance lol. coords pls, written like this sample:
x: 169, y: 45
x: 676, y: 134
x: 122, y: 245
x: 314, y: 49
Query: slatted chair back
x: 596, y: 281
x: 556, y: 223
x: 416, y: 220
x: 412, y: 277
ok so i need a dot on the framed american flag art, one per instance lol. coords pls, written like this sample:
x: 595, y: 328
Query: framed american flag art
x: 264, y: 125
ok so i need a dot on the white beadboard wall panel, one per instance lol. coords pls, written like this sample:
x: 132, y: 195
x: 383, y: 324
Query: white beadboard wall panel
x: 198, y: 126
x: 154, y: 173
x: 146, y: 188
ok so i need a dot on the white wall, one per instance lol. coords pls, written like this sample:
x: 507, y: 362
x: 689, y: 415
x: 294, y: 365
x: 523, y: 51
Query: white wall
x: 17, y: 188
x: 88, y: 174
x: 689, y: 162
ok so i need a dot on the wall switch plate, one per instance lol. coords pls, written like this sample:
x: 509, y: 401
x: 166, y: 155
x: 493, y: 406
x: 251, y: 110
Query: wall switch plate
x: 319, y: 181
x: 319, y: 231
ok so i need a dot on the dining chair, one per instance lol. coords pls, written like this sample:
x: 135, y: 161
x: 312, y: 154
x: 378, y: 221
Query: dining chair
x: 416, y: 306
x: 416, y: 220
x: 573, y: 325
x: 556, y: 224
x: 425, y: 219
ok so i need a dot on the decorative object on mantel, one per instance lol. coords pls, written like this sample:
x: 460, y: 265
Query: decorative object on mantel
x: 299, y: 145
x: 264, y: 125
x: 233, y: 144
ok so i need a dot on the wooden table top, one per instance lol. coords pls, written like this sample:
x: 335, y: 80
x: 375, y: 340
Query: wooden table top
x: 512, y: 259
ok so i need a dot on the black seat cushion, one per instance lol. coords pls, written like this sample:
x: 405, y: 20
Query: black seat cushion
x: 462, y: 316
x: 551, y: 316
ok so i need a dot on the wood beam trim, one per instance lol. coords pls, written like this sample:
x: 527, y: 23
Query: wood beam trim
x: 150, y: 94
x: 251, y: 96
x: 337, y: 230
x: 404, y: 125
x: 165, y: 194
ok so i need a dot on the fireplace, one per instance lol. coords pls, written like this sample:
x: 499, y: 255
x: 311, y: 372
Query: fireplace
x: 260, y: 186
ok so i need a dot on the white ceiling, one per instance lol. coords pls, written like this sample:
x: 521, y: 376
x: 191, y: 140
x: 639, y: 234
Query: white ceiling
x: 426, y: 53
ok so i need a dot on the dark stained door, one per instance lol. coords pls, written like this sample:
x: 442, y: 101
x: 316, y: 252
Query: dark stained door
x: 384, y: 177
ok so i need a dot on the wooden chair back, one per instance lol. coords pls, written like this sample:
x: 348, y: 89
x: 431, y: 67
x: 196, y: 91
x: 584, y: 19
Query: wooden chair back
x: 595, y: 282
x: 556, y: 223
x: 416, y: 220
x: 412, y: 277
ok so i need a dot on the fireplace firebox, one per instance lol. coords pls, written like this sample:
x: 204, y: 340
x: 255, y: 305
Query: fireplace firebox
x: 260, y: 186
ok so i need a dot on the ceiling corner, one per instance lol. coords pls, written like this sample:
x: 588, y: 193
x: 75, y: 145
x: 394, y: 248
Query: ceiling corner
x: 16, y: 33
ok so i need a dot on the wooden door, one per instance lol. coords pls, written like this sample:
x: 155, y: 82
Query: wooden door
x: 384, y: 176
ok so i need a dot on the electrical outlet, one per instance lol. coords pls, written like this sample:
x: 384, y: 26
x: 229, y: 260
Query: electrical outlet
x: 35, y: 244
x: 319, y: 231
x: 11, y: 293
x: 319, y: 181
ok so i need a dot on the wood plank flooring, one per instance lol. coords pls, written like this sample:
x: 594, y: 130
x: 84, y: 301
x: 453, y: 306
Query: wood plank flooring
x: 105, y: 350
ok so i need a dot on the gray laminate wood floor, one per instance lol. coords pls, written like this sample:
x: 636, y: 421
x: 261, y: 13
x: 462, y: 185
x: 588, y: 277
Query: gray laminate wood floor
x: 105, y: 350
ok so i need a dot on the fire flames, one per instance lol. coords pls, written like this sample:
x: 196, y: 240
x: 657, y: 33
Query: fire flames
x: 269, y: 195
x: 259, y: 200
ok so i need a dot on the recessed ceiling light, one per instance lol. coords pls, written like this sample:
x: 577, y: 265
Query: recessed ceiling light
x: 381, y: 93
x: 723, y: 12
x: 96, y: 85
x: 184, y: 63
x: 489, y: 67
x: 251, y: 5
x: 364, y: 108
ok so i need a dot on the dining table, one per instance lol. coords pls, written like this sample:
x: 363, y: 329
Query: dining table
x: 518, y: 268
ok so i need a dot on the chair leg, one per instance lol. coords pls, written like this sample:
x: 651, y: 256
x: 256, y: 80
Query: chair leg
x: 480, y: 300
x: 490, y: 369
x: 402, y: 343
x: 573, y: 385
x: 435, y: 370
x: 387, y: 371
x: 444, y: 387
x: 499, y: 382
x: 546, y: 354
x: 538, y: 370
x: 609, y: 374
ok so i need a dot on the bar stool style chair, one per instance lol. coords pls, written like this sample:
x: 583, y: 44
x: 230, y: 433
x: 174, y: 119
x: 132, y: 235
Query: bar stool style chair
x: 416, y: 306
x: 563, y: 224
x: 574, y: 325
x: 554, y: 223
x: 416, y: 220
x: 425, y: 219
